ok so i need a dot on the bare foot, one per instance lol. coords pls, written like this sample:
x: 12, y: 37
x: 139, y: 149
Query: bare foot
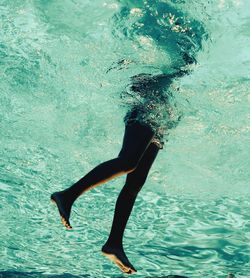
x: 118, y: 256
x: 64, y: 207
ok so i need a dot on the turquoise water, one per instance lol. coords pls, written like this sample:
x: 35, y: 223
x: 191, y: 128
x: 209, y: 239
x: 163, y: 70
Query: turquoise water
x: 61, y: 114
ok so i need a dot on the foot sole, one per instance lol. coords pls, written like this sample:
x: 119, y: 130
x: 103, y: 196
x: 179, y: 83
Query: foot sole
x: 119, y: 263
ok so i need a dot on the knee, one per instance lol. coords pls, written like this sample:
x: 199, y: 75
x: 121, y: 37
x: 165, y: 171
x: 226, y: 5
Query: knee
x: 128, y: 164
x: 137, y: 183
x: 134, y: 184
x: 132, y: 190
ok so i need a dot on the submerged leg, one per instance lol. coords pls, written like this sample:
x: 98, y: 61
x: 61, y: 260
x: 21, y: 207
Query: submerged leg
x: 136, y: 139
x: 113, y: 248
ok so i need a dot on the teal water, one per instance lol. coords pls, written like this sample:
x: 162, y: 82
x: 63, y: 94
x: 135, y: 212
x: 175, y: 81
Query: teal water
x: 62, y: 114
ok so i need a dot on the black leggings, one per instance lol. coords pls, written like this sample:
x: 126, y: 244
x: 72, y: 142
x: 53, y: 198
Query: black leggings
x: 135, y: 159
x: 124, y: 204
x: 136, y: 140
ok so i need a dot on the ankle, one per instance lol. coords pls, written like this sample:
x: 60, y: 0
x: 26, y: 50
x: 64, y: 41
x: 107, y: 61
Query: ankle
x: 67, y: 196
x: 113, y: 245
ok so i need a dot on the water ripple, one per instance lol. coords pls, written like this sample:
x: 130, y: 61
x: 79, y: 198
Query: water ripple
x: 63, y: 66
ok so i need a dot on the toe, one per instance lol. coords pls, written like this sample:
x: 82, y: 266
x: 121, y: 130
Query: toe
x: 66, y: 223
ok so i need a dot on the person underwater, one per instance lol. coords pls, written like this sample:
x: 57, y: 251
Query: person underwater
x: 146, y: 121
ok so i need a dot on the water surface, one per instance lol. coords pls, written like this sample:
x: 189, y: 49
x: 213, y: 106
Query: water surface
x: 62, y: 113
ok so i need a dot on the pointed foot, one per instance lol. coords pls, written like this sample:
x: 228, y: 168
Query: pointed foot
x: 118, y: 256
x: 64, y: 208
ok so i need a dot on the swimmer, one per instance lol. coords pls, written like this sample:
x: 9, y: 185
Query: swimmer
x: 135, y: 159
x: 142, y: 140
x: 143, y: 136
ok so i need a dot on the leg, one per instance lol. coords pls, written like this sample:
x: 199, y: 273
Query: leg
x: 136, y: 139
x: 113, y: 248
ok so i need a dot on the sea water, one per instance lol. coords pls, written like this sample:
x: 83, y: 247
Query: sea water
x: 61, y: 114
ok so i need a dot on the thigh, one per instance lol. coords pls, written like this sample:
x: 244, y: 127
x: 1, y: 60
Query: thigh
x: 139, y: 175
x: 137, y: 138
